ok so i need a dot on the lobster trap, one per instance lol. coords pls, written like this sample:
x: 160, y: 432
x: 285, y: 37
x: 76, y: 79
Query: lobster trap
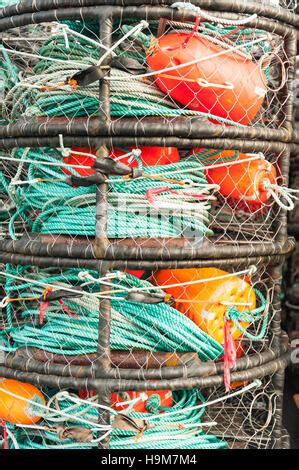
x: 144, y: 161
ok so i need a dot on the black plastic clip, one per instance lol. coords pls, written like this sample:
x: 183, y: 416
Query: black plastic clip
x: 147, y: 298
x: 94, y: 178
x: 128, y: 64
x: 59, y: 295
x: 90, y: 75
x: 98, y: 72
x: 109, y: 166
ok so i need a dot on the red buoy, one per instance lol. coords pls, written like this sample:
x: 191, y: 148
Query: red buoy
x: 247, y: 181
x: 220, y: 82
x: 149, y: 156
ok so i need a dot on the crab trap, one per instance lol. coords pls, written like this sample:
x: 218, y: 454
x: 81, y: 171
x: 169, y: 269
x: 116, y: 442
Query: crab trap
x: 144, y: 164
x: 130, y: 342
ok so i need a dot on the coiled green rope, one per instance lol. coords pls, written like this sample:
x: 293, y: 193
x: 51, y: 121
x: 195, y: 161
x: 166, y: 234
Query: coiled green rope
x: 176, y: 431
x: 134, y: 98
x: 152, y: 327
x: 61, y: 209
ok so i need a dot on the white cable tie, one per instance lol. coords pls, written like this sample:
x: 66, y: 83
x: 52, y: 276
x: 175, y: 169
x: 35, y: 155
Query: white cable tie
x: 4, y: 302
x: 36, y: 56
x: 284, y: 191
x: 64, y: 151
x: 255, y: 384
x: 21, y: 183
x: 252, y: 270
x: 142, y: 397
x: 66, y: 39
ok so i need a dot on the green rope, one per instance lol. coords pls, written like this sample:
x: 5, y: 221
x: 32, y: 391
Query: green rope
x: 251, y: 317
x: 169, y: 431
x: 61, y: 209
x: 126, y: 100
x: 152, y: 327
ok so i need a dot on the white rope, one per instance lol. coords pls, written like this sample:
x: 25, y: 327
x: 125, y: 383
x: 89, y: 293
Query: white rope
x: 46, y: 428
x: 204, y: 14
x: 249, y: 271
x: 43, y: 284
x: 192, y: 62
x: 40, y: 162
x: 76, y: 400
x: 143, y: 24
x: 61, y: 413
x: 251, y: 157
x: 119, y: 288
x: 247, y: 388
x: 287, y: 193
x: 36, y: 56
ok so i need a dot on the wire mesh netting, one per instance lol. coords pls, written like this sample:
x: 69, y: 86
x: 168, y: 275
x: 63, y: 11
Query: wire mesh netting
x: 226, y: 73
x: 188, y: 199
x: 135, y: 213
x: 245, y: 418
x: 156, y: 317
x: 222, y: 72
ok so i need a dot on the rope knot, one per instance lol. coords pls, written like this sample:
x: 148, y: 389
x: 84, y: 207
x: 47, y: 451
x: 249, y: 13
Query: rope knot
x: 153, y: 403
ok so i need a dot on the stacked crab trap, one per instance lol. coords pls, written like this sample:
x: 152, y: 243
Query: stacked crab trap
x: 144, y: 161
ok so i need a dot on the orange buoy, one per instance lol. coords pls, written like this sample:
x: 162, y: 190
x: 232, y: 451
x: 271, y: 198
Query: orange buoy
x: 206, y: 302
x: 225, y: 84
x: 247, y: 181
x: 149, y: 156
x: 164, y: 398
x: 19, y: 409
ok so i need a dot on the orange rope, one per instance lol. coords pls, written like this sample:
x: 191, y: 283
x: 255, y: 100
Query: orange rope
x: 72, y: 83
x: 20, y: 299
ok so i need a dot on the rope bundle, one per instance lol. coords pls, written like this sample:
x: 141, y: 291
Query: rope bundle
x: 54, y: 207
x: 167, y: 430
x: 152, y: 327
x: 136, y: 97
